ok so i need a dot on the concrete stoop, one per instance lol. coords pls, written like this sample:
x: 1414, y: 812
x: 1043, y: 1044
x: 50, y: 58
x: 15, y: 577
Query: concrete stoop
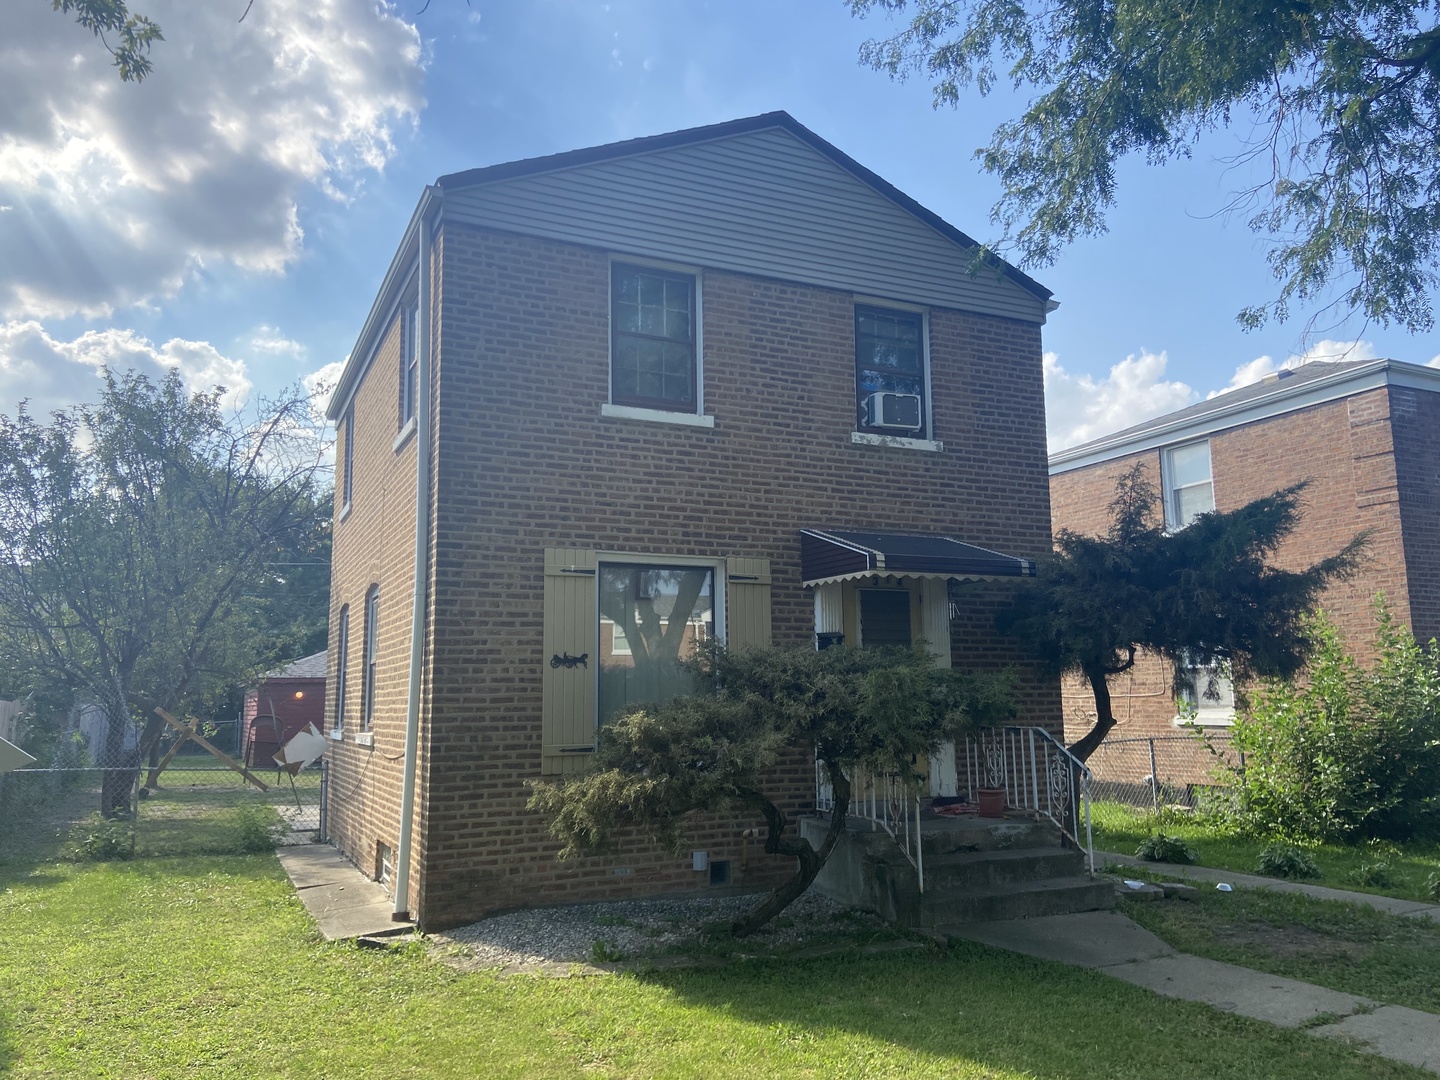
x: 976, y: 870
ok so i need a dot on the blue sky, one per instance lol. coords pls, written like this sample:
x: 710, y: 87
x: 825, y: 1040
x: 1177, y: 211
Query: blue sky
x: 232, y: 216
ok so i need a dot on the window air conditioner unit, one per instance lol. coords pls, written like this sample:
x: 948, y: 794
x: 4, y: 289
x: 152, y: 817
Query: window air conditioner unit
x: 893, y: 411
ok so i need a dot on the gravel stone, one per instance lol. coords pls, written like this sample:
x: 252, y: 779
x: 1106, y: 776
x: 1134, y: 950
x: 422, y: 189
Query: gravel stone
x: 631, y: 929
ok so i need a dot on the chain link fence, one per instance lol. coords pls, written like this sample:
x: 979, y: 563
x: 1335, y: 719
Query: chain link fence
x: 1185, y: 773
x: 195, y: 806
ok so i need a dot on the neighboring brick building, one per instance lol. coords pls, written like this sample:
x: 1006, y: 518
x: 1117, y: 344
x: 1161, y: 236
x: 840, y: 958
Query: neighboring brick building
x: 1366, y: 434
x: 283, y: 703
x: 651, y: 366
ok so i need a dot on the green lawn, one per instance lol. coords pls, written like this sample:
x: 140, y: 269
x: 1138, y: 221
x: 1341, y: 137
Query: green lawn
x: 211, y: 968
x: 1343, y: 946
x: 1121, y: 828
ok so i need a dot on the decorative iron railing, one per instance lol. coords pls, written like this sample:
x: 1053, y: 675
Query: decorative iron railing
x: 884, y: 802
x: 1037, y: 773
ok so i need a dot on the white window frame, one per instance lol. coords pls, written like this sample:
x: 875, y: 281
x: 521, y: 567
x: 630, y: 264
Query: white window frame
x: 369, y: 674
x: 1167, y: 478
x: 919, y: 440
x: 409, y: 361
x: 610, y: 408
x: 347, y: 482
x: 1207, y: 713
x: 342, y: 649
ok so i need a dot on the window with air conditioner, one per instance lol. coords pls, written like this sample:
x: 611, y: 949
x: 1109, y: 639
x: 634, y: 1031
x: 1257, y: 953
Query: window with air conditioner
x: 891, y: 380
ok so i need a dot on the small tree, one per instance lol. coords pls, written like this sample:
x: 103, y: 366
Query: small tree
x: 1205, y: 590
x: 141, y: 537
x: 876, y: 710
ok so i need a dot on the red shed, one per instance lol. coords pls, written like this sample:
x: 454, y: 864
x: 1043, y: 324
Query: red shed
x: 285, y: 700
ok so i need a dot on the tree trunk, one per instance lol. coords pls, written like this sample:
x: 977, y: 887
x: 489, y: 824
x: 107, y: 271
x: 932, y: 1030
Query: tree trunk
x: 121, y: 765
x: 1104, y: 715
x: 785, y: 894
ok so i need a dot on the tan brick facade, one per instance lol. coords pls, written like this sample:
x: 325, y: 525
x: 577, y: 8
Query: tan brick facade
x: 524, y: 460
x: 1373, y: 462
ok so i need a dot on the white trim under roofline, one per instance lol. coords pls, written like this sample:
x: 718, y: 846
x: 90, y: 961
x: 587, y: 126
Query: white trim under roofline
x: 366, y: 345
x: 1283, y: 399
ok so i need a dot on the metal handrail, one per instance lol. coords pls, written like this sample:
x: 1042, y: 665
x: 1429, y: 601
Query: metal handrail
x: 885, y: 801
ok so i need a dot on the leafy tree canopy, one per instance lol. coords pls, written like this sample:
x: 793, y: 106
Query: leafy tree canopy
x: 133, y: 33
x: 861, y: 710
x: 1206, y: 590
x: 1340, y: 99
x: 148, y: 551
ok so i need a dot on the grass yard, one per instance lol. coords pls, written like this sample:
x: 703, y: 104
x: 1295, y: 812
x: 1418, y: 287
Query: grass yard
x: 1121, y: 829
x: 1343, y: 946
x: 209, y: 967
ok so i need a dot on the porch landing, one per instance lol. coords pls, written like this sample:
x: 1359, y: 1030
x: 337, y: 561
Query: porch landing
x: 976, y: 870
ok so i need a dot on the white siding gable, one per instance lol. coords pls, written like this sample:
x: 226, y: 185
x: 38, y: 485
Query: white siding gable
x: 761, y: 202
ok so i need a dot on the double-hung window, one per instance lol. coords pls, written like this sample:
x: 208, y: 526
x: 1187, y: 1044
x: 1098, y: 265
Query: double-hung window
x: 347, y: 479
x: 1189, y: 491
x: 890, y: 379
x: 342, y: 651
x: 661, y: 614
x: 372, y: 636
x: 652, y: 339
x: 409, y: 361
x: 1206, y: 690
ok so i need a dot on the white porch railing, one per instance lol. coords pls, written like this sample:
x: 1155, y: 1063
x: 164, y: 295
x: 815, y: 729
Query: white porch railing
x: 884, y: 802
x: 1037, y: 773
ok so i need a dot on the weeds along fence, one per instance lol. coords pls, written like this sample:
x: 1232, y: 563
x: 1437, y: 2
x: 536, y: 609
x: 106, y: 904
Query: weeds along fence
x: 1185, y: 772
x: 197, y: 806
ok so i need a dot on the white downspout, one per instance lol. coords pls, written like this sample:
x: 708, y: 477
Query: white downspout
x: 423, y: 334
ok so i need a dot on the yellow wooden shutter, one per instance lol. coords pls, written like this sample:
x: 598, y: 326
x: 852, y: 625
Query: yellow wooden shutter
x: 570, y: 660
x: 747, y: 602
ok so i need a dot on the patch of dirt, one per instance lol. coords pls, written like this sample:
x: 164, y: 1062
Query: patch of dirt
x: 1285, y: 940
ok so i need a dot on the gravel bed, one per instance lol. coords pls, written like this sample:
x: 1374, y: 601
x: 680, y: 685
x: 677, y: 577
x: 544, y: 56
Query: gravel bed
x: 632, y: 929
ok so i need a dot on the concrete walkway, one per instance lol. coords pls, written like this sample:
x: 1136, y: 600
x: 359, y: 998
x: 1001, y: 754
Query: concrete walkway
x: 1413, y: 909
x: 345, y: 903
x: 1110, y: 943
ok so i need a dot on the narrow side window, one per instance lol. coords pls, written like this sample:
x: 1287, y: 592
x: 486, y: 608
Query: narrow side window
x: 367, y: 689
x: 348, y: 467
x: 342, y: 649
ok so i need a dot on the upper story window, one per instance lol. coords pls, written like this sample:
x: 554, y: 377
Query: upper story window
x: 409, y: 360
x: 347, y: 467
x: 652, y: 339
x: 372, y: 640
x: 1188, y: 488
x: 890, y: 379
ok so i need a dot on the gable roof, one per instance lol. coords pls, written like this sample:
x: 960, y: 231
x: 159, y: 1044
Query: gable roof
x: 710, y: 132
x: 762, y: 195
x: 1285, y: 391
x: 307, y: 667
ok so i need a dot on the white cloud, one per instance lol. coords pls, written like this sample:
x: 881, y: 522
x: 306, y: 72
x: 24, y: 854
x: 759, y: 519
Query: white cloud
x: 1079, y: 408
x: 53, y: 374
x: 116, y: 192
x: 1327, y: 351
x: 268, y: 339
x: 320, y: 384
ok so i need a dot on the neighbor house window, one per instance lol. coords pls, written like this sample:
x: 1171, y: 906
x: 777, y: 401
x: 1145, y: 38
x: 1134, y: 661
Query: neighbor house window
x: 348, y: 468
x: 342, y: 650
x: 652, y: 339
x: 890, y: 382
x: 1206, y: 690
x: 660, y: 614
x: 1189, y: 491
x: 409, y: 361
x: 372, y: 634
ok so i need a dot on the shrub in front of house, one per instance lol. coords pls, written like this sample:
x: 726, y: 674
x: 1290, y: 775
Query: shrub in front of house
x: 1350, y: 754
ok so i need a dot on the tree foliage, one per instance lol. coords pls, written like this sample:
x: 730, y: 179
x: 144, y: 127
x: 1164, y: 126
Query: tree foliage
x: 1349, y: 753
x: 146, y: 548
x: 1206, y: 590
x: 134, y: 33
x: 860, y: 710
x: 1340, y: 100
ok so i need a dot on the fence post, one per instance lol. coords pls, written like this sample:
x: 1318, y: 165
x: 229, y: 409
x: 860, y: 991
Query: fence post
x: 1154, y: 780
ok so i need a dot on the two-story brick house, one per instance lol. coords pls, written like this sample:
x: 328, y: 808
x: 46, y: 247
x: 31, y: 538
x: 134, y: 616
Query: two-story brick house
x: 1366, y: 434
x: 624, y: 381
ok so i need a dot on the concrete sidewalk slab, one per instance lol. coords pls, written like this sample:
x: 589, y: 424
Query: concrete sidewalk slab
x: 1279, y: 1001
x: 344, y: 902
x: 1094, y: 939
x: 1390, y: 904
x: 1393, y: 1031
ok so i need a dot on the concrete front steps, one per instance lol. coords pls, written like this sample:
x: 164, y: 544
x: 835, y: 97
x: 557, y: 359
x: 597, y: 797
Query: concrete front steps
x: 976, y: 870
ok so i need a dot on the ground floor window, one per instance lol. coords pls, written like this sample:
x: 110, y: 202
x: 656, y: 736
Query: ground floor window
x: 652, y: 617
x: 1205, y: 690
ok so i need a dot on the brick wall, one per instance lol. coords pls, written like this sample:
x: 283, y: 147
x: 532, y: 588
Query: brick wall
x: 525, y: 461
x: 1345, y: 449
x: 1415, y: 420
